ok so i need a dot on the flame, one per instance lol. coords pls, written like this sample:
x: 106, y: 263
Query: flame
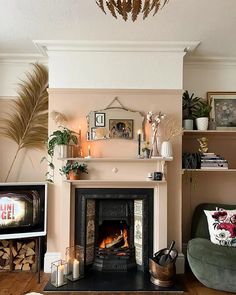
x: 111, y: 238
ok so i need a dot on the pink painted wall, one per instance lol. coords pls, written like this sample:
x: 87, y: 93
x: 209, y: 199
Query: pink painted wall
x: 76, y: 104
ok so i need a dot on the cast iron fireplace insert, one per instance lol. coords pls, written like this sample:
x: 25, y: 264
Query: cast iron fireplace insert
x: 115, y: 226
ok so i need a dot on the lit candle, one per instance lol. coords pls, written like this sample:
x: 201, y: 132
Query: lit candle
x: 139, y: 142
x: 89, y: 151
x: 60, y: 275
x: 75, y: 269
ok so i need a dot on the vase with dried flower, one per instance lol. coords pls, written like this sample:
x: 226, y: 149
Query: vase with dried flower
x: 155, y: 119
x: 170, y: 131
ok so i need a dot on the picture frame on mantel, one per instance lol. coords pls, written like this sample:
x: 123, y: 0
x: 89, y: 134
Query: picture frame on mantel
x: 223, y: 109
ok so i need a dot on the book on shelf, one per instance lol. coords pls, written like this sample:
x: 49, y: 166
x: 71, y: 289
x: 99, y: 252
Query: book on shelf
x: 215, y: 168
x: 217, y: 165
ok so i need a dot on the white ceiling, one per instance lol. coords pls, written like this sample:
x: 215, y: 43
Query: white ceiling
x: 212, y: 22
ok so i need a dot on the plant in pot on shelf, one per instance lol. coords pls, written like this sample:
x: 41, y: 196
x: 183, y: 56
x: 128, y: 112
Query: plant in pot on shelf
x: 72, y: 170
x: 65, y: 139
x: 190, y: 104
x: 202, y: 115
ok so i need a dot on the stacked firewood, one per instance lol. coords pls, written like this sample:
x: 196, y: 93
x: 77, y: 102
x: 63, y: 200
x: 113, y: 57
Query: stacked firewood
x: 17, y: 255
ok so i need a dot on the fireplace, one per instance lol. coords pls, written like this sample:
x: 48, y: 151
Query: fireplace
x: 115, y: 226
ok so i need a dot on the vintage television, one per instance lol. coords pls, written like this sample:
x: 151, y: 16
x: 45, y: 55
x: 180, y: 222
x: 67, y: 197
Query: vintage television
x: 23, y: 210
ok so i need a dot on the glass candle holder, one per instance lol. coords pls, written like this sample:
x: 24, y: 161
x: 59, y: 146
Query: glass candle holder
x: 58, y: 273
x: 75, y: 260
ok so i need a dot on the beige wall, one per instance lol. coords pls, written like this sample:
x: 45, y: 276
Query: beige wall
x: 76, y: 104
x: 27, y: 166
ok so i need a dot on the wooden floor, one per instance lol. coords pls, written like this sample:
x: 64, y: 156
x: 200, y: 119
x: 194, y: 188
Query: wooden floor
x: 22, y: 283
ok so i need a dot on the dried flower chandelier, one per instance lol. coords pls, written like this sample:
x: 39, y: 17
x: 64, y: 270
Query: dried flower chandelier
x: 133, y: 7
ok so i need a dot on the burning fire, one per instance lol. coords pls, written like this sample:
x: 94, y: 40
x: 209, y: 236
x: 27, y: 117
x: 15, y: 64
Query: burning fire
x: 115, y: 239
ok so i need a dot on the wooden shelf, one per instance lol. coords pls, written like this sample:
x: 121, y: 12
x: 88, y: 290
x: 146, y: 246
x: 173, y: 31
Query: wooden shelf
x: 101, y: 183
x: 136, y: 160
x: 218, y: 131
x: 208, y: 170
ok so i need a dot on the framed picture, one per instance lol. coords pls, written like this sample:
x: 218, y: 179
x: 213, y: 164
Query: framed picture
x: 121, y: 128
x: 93, y: 133
x: 99, y: 120
x: 223, y: 109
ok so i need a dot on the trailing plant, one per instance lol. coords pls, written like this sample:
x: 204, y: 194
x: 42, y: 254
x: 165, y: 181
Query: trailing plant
x: 27, y: 123
x: 75, y: 167
x: 63, y: 136
x: 190, y: 104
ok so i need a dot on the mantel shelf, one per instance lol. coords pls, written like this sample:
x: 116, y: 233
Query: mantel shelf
x: 120, y: 183
x: 136, y: 160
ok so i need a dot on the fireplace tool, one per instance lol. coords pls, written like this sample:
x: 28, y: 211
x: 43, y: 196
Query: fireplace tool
x: 162, y: 266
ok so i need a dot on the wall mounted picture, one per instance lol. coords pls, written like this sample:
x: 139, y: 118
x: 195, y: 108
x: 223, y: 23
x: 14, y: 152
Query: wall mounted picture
x: 121, y: 128
x: 223, y: 109
x: 100, y: 119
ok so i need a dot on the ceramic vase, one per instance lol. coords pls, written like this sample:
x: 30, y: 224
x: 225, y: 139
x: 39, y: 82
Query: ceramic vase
x: 166, y: 149
x: 188, y: 124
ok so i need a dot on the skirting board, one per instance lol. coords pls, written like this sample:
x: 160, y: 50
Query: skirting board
x: 53, y: 256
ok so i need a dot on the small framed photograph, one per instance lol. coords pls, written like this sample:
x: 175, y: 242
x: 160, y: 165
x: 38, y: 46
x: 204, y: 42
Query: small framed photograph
x: 121, y: 128
x: 93, y: 134
x: 223, y: 109
x: 99, y: 119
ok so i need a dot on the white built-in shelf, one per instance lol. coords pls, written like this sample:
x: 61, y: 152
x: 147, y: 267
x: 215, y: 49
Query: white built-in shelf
x: 136, y: 160
x: 209, y: 170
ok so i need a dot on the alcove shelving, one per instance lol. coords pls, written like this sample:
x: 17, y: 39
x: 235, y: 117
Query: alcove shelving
x: 220, y: 142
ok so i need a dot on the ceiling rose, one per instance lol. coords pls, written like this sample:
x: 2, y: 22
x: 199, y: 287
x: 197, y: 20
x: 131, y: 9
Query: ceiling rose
x: 132, y: 7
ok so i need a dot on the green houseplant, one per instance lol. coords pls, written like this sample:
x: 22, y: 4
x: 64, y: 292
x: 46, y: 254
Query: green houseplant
x: 202, y: 114
x: 190, y: 104
x: 72, y: 170
x: 64, y: 138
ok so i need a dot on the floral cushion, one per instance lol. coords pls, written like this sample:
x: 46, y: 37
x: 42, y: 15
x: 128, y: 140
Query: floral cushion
x: 222, y: 226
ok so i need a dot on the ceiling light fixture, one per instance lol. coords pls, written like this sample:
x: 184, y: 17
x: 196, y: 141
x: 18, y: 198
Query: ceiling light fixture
x: 133, y: 7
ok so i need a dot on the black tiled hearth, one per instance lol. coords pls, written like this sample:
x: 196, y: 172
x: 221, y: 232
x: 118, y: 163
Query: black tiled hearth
x: 135, y: 281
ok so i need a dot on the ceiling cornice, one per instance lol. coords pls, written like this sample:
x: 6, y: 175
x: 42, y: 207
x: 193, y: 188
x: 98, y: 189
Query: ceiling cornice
x: 22, y: 58
x: 45, y: 46
x: 210, y: 61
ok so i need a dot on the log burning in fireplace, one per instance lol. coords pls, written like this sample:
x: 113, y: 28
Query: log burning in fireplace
x: 115, y: 241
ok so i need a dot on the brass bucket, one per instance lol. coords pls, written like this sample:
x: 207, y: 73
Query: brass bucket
x: 163, y: 276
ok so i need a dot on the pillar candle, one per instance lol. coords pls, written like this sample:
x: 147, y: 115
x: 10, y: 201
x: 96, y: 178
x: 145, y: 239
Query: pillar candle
x: 75, y: 269
x: 89, y: 151
x: 60, y: 275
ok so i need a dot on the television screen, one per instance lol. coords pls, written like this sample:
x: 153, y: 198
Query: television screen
x: 23, y: 210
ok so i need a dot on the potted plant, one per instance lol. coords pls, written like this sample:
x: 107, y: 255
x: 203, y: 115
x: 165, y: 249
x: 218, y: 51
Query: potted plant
x: 189, y: 104
x: 146, y: 150
x: 72, y: 170
x: 64, y: 138
x: 202, y: 115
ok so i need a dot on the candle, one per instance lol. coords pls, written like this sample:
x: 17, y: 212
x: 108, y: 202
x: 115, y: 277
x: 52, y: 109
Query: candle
x: 89, y: 151
x: 139, y: 142
x: 75, y: 269
x: 60, y: 275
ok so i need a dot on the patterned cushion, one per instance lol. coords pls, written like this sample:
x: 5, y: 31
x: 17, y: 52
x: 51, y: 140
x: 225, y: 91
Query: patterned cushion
x: 222, y: 226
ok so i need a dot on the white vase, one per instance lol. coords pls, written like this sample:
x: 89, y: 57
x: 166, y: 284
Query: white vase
x: 188, y: 124
x: 202, y: 123
x: 166, y: 149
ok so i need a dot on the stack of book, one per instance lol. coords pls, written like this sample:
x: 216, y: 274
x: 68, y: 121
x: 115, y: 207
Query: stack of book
x: 213, y: 161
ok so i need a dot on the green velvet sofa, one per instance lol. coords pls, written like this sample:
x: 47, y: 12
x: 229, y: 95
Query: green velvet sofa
x: 213, y: 265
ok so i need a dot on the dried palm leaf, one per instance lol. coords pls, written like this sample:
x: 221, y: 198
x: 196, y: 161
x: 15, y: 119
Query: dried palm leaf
x: 156, y: 6
x: 27, y: 124
x: 137, y: 6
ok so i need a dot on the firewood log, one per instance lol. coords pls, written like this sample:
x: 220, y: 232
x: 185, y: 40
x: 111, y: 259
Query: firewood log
x: 26, y: 266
